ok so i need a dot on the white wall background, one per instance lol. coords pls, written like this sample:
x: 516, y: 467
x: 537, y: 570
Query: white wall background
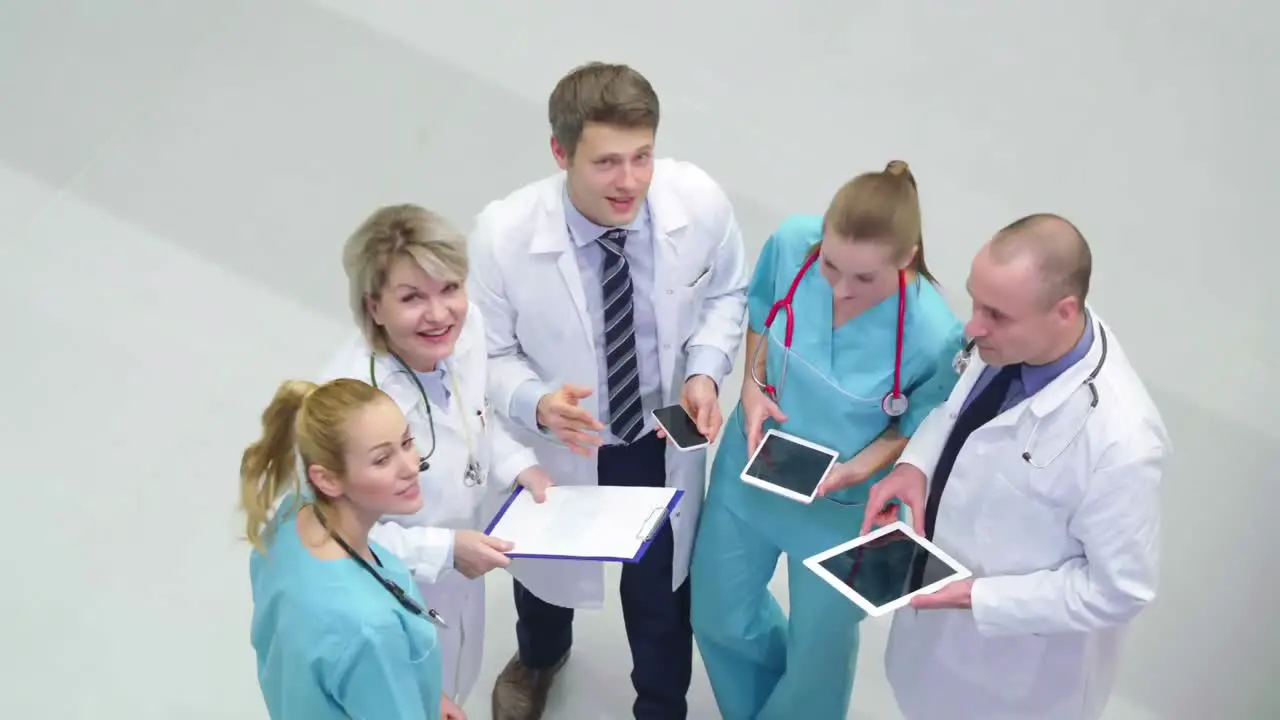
x: 176, y: 179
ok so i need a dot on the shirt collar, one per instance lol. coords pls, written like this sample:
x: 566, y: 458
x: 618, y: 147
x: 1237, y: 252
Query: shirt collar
x: 1036, y: 377
x: 436, y: 384
x: 584, y: 232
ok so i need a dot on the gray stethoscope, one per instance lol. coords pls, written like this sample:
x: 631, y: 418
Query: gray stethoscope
x: 961, y: 363
x: 472, y: 477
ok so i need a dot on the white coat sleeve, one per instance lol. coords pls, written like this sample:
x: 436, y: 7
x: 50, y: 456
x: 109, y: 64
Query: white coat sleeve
x: 722, y: 317
x: 510, y: 458
x: 510, y: 376
x: 1118, y: 526
x: 925, y: 446
x: 426, y: 551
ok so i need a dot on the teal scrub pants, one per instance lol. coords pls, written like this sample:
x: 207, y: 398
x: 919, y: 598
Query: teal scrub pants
x: 762, y: 663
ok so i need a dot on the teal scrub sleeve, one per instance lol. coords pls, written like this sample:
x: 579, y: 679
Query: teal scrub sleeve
x: 934, y: 384
x: 761, y: 291
x: 375, y: 678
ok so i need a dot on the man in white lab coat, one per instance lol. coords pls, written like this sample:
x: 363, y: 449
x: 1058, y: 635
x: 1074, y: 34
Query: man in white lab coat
x: 611, y: 289
x: 1051, y: 453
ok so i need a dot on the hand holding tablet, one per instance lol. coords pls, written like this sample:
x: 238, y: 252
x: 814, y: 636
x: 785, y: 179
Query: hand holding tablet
x: 889, y: 568
x: 952, y: 596
x: 789, y: 466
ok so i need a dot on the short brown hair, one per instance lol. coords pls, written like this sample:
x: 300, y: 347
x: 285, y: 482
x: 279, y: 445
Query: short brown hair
x: 1056, y: 246
x: 389, y: 233
x: 600, y: 93
x: 881, y: 207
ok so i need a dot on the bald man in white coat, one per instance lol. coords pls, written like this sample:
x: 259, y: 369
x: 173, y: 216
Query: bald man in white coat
x: 1051, y: 453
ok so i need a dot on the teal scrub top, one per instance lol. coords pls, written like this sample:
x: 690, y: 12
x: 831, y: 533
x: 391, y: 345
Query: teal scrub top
x: 332, y: 642
x: 836, y: 378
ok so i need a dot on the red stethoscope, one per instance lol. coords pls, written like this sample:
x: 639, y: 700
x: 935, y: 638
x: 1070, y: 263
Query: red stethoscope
x: 894, y: 403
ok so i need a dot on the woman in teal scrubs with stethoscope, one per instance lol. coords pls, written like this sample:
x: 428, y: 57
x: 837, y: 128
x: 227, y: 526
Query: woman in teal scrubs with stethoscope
x: 850, y: 346
x: 339, y: 629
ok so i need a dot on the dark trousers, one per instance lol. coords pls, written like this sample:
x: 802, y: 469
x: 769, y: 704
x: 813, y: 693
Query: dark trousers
x: 657, y: 619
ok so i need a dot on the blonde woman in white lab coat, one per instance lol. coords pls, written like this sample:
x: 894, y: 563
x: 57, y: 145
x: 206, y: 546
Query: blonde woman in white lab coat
x: 419, y: 342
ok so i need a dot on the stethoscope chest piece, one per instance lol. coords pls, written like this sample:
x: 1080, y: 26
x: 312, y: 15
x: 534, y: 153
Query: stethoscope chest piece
x: 473, y: 477
x: 961, y: 362
x: 894, y: 405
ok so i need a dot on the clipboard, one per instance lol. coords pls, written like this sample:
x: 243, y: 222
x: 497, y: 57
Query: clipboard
x: 589, y: 522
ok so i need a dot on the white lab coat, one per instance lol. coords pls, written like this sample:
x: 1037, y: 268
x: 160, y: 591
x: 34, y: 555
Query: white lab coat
x: 1064, y: 556
x: 424, y: 541
x: 524, y: 276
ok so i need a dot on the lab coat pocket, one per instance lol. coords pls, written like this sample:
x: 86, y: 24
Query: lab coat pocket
x: 701, y: 279
x: 688, y: 304
x: 1004, y: 666
x: 1032, y: 526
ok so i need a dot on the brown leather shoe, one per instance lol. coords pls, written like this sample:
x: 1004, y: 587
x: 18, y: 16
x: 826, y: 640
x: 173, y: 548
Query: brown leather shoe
x: 520, y: 692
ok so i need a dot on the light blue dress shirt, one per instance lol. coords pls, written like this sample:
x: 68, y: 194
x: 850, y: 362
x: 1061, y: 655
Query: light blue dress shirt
x: 332, y: 643
x: 702, y: 360
x: 436, y: 385
x: 1033, y: 378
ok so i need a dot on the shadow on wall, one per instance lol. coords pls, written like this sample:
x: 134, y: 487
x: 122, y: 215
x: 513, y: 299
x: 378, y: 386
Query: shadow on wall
x: 332, y: 133
x: 1218, y: 590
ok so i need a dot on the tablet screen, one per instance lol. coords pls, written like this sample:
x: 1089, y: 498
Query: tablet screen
x: 788, y: 464
x: 881, y: 570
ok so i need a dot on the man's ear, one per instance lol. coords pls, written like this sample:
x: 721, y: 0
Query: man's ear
x: 1068, y: 308
x: 561, y: 155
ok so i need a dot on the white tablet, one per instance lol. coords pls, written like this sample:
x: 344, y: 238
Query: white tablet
x: 789, y: 466
x: 882, y: 570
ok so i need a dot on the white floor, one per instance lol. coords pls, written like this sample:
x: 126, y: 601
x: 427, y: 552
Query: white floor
x: 176, y: 179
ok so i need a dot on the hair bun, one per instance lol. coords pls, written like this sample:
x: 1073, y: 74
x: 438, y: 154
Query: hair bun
x: 897, y: 167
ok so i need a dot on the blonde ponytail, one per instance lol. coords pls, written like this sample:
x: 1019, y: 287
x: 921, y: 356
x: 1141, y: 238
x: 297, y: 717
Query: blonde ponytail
x: 306, y: 421
x: 269, y: 467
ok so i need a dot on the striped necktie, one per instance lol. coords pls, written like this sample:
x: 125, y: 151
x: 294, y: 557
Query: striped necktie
x: 625, y: 415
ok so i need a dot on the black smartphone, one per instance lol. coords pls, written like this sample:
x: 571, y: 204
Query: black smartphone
x: 680, y: 428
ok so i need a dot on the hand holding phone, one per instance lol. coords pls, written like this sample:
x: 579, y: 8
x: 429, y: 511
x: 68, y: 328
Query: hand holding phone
x: 679, y: 428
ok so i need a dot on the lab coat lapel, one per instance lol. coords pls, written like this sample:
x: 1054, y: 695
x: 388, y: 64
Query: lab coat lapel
x: 456, y: 382
x: 551, y: 236
x: 668, y: 220
x: 392, y: 379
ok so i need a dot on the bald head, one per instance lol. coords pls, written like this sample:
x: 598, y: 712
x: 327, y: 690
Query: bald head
x: 1054, y: 247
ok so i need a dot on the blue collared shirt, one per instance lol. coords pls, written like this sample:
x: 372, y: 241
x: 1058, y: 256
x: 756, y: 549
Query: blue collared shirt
x: 1034, y: 378
x: 436, y: 385
x: 639, y: 251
